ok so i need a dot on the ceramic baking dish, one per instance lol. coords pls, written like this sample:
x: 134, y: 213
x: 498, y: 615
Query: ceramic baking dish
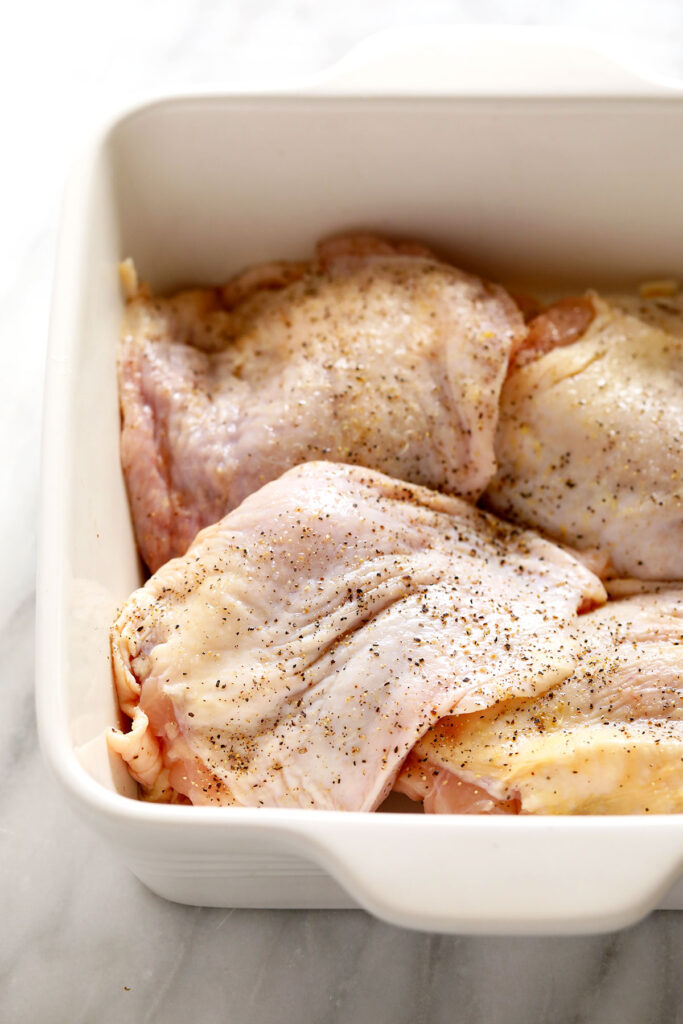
x: 535, y: 161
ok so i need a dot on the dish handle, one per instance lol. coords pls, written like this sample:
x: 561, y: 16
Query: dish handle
x: 488, y: 875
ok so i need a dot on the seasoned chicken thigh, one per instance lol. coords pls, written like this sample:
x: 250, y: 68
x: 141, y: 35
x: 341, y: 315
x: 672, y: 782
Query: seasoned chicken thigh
x: 607, y: 740
x: 303, y: 644
x: 590, y: 439
x: 374, y: 354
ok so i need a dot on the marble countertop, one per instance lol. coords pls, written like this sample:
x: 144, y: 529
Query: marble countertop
x: 80, y: 939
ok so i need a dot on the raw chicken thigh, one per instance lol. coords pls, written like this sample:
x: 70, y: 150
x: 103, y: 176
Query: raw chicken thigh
x: 304, y: 643
x: 374, y: 354
x: 590, y: 440
x: 608, y: 740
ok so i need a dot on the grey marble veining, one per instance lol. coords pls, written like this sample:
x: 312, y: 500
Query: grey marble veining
x: 80, y: 939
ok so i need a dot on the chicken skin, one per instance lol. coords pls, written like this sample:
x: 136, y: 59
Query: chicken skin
x: 607, y: 740
x: 374, y: 354
x: 590, y: 439
x: 303, y: 645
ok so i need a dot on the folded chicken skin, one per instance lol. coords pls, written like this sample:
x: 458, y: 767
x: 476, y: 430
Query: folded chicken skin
x: 607, y: 740
x: 374, y: 354
x: 590, y: 438
x: 306, y: 641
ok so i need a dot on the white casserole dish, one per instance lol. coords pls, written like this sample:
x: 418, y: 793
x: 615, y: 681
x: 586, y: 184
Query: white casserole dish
x: 531, y: 160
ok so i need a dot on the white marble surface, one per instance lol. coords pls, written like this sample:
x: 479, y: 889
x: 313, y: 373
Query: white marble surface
x: 80, y: 939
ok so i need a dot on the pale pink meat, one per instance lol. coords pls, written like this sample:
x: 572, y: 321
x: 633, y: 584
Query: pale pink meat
x: 374, y: 354
x: 559, y: 324
x: 589, y: 442
x: 606, y: 740
x: 305, y: 642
